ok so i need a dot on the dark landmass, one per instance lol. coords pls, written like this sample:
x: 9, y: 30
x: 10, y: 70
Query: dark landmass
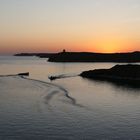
x: 122, y: 74
x: 95, y: 57
x: 41, y: 55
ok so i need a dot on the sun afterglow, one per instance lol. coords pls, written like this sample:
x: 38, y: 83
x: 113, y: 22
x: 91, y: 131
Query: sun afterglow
x: 51, y: 26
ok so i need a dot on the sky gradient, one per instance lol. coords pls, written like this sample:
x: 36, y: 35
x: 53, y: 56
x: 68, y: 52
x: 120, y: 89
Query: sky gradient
x: 76, y: 25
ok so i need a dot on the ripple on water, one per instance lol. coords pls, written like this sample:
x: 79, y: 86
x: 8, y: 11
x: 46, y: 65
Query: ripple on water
x: 24, y: 113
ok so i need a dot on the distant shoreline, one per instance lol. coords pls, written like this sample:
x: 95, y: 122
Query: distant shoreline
x: 130, y: 57
x: 41, y: 55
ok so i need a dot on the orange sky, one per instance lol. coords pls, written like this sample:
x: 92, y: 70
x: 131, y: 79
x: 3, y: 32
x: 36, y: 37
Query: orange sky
x: 76, y: 25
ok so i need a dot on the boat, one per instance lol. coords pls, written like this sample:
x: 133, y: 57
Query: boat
x: 52, y: 77
x: 24, y: 74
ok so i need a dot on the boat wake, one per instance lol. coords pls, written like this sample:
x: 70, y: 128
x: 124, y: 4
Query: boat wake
x: 55, y: 89
x: 55, y: 77
x: 51, y: 90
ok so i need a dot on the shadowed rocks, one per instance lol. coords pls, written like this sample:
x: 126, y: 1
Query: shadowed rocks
x: 122, y: 74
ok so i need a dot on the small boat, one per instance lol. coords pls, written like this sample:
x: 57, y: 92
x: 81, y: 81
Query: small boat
x: 24, y: 74
x: 52, y: 77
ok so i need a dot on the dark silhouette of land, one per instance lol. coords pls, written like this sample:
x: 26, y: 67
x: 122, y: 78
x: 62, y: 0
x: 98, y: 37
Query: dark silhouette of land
x: 41, y: 55
x: 95, y: 57
x: 87, y: 57
x: 122, y: 74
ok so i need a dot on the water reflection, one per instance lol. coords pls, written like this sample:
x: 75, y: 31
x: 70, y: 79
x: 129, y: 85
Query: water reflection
x: 114, y: 109
x: 118, y: 84
x: 119, y: 88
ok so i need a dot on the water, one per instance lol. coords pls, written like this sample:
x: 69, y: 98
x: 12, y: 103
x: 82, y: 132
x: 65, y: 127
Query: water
x: 69, y: 108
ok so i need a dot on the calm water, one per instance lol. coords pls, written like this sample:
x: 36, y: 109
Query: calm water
x: 69, y: 108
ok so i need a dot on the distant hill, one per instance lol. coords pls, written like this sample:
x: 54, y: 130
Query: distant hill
x: 95, y: 57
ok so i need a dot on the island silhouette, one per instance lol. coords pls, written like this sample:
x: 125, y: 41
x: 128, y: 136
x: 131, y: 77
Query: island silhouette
x: 122, y: 74
x: 64, y: 56
x: 95, y: 57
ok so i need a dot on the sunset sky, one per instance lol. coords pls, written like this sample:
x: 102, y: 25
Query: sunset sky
x: 76, y: 25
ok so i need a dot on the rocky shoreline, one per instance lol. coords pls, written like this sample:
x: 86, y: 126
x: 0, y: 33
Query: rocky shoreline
x: 123, y: 74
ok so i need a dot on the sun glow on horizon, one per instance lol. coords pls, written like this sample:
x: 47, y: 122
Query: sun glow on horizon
x: 104, y: 26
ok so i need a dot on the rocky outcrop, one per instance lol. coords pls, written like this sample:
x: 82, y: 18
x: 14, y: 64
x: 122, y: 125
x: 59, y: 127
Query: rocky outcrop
x: 129, y: 74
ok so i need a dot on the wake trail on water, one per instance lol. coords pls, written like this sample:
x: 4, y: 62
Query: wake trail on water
x: 55, y: 90
x: 51, y: 89
x: 55, y: 77
x: 8, y: 75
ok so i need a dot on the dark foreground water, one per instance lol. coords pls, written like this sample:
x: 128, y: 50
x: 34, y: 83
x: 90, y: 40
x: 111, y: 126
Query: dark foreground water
x: 70, y: 108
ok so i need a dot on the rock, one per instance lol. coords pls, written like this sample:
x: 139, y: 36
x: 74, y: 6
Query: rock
x: 129, y: 74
